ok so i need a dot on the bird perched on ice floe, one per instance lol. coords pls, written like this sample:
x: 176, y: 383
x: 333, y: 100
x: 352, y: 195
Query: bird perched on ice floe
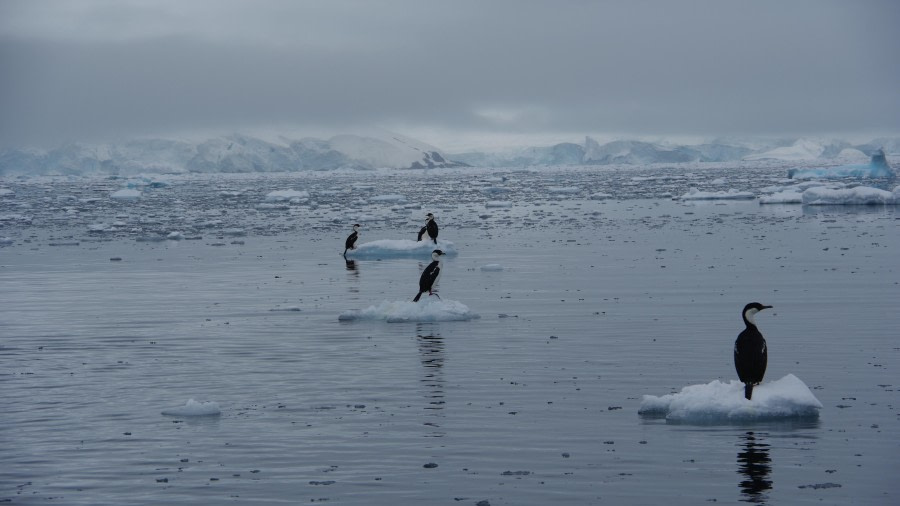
x: 750, y: 354
x: 350, y: 243
x: 430, y: 275
x: 430, y: 227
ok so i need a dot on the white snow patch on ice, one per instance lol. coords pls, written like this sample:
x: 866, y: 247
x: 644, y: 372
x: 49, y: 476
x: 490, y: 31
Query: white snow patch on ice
x: 428, y: 309
x: 393, y: 248
x: 719, y: 402
x: 194, y: 408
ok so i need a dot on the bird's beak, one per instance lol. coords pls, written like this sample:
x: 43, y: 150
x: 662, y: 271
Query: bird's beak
x: 768, y: 307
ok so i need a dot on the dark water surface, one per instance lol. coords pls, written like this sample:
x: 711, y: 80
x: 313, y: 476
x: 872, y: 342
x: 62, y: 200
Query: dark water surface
x: 533, y: 403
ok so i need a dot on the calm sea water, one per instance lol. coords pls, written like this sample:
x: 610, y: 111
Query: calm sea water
x: 599, y: 302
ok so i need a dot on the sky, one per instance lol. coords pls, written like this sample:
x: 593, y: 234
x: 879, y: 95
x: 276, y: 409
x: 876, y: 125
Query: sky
x: 457, y: 74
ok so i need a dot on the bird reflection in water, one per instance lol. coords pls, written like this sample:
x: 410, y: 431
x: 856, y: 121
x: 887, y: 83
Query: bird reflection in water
x: 755, y: 464
x: 352, y: 275
x: 431, y: 353
x: 351, y: 265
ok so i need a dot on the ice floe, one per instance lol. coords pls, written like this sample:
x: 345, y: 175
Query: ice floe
x: 429, y: 309
x: 287, y: 196
x: 783, y: 197
x: 860, y: 195
x: 732, y: 194
x: 721, y: 402
x: 194, y: 408
x: 400, y: 248
x: 126, y: 194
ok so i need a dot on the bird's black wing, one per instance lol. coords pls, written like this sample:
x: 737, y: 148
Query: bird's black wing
x: 422, y: 232
x: 429, y: 275
x: 351, y: 240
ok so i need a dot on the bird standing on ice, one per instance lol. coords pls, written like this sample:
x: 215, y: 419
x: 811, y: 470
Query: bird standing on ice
x: 350, y: 243
x: 750, y: 353
x: 430, y: 275
x: 430, y: 227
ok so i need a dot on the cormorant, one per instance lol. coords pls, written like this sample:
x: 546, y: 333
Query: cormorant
x: 350, y: 243
x: 430, y: 275
x: 750, y: 353
x: 430, y: 227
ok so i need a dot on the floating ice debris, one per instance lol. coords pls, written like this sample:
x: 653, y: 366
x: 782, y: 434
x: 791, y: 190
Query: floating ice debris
x: 718, y: 402
x: 860, y: 195
x: 732, y: 194
x: 6, y: 191
x: 6, y: 241
x: 126, y: 194
x: 397, y: 248
x: 784, y: 197
x: 429, y: 309
x: 600, y: 196
x: 498, y: 203
x: 388, y: 198
x: 560, y: 190
x: 287, y: 196
x: 175, y: 236
x: 492, y: 267
x: 286, y: 308
x: 194, y: 408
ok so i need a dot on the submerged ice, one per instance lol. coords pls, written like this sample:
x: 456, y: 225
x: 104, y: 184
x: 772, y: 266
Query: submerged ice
x: 194, y: 408
x: 721, y: 402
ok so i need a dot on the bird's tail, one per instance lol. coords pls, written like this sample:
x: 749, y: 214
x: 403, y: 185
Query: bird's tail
x: 417, y: 297
x: 748, y: 390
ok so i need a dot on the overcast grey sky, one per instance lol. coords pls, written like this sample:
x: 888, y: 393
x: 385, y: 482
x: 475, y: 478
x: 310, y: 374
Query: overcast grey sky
x: 452, y: 73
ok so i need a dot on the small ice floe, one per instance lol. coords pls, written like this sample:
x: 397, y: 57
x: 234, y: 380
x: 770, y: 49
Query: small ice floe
x: 860, y: 195
x: 600, y: 196
x: 292, y: 196
x: 492, y: 268
x: 498, y: 203
x: 126, y: 194
x: 286, y: 308
x: 563, y: 190
x: 400, y: 248
x: 783, y: 197
x: 5, y: 192
x: 732, y: 194
x: 388, y: 198
x: 429, y: 309
x: 99, y: 227
x: 194, y: 408
x: 175, y: 236
x: 719, y: 402
x: 6, y: 241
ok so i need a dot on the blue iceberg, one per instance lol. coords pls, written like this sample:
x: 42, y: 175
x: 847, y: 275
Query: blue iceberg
x: 877, y: 167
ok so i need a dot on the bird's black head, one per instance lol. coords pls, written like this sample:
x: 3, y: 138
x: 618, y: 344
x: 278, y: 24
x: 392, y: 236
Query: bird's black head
x: 751, y: 309
x: 357, y: 225
x: 436, y: 253
x: 429, y: 216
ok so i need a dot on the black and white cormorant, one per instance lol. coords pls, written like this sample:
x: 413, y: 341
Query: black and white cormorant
x: 750, y: 353
x: 430, y: 275
x: 350, y: 243
x: 430, y: 227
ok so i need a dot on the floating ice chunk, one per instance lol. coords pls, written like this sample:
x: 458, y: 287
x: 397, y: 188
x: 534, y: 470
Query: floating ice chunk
x: 388, y: 198
x: 194, y: 408
x: 6, y: 191
x: 492, y: 267
x: 718, y: 402
x: 784, y: 197
x: 6, y: 241
x: 429, y: 309
x: 396, y: 248
x: 600, y: 196
x: 99, y: 227
x: 287, y: 196
x: 498, y: 203
x: 175, y: 236
x: 732, y: 194
x: 563, y: 190
x: 860, y: 195
x: 126, y: 194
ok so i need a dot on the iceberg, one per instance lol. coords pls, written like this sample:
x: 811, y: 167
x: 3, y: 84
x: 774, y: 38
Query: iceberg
x: 400, y: 248
x: 724, y: 402
x: 429, y: 309
x: 877, y: 167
